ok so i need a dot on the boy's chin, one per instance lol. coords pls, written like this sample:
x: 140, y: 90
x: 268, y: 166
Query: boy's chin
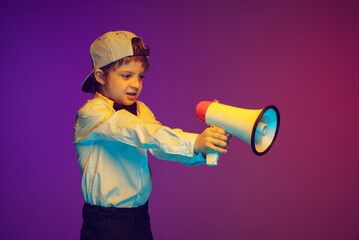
x: 126, y: 103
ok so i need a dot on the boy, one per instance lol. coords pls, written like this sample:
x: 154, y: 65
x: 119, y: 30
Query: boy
x: 112, y: 134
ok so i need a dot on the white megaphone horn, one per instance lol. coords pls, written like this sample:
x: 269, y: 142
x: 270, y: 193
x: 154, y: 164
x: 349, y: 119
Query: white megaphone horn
x: 259, y: 128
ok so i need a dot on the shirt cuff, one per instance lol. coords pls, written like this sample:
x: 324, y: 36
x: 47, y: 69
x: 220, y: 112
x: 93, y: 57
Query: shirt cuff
x: 191, y: 140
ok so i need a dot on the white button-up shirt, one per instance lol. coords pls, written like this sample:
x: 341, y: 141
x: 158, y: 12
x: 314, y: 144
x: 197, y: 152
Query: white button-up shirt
x: 112, y: 152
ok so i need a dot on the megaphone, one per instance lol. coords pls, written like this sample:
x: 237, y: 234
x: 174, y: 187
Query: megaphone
x: 258, y: 128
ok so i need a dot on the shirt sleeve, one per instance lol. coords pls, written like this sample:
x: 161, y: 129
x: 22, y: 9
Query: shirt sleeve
x: 188, y: 159
x: 99, y: 123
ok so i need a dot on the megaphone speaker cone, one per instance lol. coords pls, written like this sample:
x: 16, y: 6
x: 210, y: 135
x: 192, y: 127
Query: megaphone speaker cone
x: 265, y: 130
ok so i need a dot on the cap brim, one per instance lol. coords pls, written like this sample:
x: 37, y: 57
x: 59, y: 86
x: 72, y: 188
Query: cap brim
x: 87, y: 84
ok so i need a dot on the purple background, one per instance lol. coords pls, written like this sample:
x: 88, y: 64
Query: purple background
x: 301, y: 56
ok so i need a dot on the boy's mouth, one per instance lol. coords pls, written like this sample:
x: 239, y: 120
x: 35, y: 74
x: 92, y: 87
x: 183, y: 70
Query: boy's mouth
x: 131, y: 95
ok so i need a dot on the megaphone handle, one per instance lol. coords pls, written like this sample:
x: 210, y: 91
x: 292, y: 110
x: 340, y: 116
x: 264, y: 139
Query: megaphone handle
x: 212, y: 158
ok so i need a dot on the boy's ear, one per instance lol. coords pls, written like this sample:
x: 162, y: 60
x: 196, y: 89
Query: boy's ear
x: 99, y: 76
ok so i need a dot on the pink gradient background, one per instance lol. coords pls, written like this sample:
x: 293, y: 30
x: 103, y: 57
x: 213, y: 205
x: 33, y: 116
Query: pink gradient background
x: 301, y: 56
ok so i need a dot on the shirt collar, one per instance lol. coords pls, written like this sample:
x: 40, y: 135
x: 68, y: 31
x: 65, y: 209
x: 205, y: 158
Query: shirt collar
x: 105, y: 99
x: 132, y: 108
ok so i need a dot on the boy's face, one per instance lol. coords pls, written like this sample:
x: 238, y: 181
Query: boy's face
x: 124, y: 84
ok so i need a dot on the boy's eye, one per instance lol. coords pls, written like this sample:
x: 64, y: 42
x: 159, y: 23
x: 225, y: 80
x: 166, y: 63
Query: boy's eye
x: 126, y: 76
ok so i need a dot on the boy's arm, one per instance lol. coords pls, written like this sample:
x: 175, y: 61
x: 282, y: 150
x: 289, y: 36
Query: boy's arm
x: 188, y: 158
x: 163, y: 142
x: 185, y: 156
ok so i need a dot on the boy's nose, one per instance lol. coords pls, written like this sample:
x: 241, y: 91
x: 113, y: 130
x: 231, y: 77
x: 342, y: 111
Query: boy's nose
x: 135, y: 84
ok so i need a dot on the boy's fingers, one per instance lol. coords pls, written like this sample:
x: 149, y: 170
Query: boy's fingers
x: 219, y: 143
x: 220, y: 137
x: 218, y: 130
x: 220, y: 150
x: 218, y: 133
x: 212, y: 139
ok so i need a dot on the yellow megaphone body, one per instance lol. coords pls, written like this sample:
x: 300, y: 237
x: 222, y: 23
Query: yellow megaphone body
x: 259, y: 128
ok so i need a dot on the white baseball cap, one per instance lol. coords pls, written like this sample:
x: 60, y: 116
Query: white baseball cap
x: 110, y: 47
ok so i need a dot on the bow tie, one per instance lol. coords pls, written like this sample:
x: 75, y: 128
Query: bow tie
x: 132, y: 108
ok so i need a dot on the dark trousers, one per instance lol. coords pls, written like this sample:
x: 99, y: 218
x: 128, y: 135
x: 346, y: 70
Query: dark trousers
x: 115, y: 223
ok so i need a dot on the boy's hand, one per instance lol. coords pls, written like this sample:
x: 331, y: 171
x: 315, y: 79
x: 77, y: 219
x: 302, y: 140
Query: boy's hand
x: 212, y: 139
